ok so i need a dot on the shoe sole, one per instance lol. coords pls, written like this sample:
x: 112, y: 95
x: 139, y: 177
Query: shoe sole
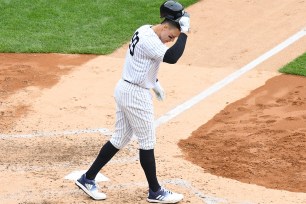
x: 88, y: 192
x: 163, y: 201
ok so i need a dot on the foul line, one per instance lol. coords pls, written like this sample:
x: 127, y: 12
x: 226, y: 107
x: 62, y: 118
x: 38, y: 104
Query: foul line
x: 227, y: 80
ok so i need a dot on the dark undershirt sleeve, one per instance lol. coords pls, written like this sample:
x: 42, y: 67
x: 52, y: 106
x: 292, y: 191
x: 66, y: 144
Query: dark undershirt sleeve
x: 173, y: 54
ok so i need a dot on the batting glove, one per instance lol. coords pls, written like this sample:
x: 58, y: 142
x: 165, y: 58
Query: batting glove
x: 185, y: 22
x: 159, y: 91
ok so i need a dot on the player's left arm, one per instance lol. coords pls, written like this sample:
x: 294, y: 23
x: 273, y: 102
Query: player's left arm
x: 174, y: 53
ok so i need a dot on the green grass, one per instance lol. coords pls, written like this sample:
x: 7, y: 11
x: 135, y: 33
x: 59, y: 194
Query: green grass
x: 73, y: 26
x: 297, y: 66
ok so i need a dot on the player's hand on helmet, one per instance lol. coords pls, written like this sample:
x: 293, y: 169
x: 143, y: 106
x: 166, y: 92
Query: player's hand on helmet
x: 185, y: 22
x: 159, y: 91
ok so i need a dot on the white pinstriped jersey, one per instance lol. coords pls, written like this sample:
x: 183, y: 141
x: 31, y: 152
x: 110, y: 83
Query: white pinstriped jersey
x: 146, y: 52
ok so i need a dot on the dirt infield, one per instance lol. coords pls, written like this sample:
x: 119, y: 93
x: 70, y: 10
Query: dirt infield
x: 19, y: 71
x: 247, y: 144
x: 259, y: 139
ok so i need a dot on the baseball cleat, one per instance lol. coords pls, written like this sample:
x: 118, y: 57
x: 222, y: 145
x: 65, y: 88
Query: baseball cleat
x: 164, y: 196
x: 90, y: 188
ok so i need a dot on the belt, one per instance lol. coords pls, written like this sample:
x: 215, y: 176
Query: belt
x: 134, y: 84
x: 128, y: 81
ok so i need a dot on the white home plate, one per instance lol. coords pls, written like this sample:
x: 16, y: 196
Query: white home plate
x: 77, y: 174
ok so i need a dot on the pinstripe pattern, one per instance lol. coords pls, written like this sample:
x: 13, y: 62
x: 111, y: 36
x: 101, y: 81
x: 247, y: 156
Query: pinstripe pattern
x: 142, y: 67
x: 134, y: 113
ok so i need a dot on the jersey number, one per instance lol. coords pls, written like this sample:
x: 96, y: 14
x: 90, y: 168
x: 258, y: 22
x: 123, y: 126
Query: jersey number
x: 134, y: 42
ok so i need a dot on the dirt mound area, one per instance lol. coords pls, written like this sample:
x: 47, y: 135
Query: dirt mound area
x: 259, y: 139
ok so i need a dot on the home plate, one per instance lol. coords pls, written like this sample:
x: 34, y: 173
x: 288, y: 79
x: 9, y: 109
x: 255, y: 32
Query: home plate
x: 77, y: 174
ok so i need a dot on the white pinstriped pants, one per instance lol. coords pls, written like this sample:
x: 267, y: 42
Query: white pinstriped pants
x: 134, y: 115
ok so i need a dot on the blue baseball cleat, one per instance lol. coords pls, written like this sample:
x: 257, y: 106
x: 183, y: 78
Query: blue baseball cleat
x: 90, y: 188
x: 164, y: 196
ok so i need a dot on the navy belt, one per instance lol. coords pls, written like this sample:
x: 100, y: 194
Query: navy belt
x: 128, y: 81
x: 133, y: 83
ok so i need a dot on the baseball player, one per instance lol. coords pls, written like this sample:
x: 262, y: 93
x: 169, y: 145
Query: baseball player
x: 134, y: 112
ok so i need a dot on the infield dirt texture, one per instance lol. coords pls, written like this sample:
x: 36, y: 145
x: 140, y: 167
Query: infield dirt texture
x: 248, y: 140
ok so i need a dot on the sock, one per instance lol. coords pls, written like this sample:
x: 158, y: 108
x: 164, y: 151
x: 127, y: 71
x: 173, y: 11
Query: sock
x: 106, y: 153
x: 147, y: 161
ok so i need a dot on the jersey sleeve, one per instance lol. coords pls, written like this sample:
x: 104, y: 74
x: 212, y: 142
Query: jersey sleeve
x: 173, y: 54
x: 154, y: 48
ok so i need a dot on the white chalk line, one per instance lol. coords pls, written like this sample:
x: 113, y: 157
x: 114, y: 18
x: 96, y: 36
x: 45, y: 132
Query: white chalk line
x: 227, y: 80
x: 188, y: 104
x: 103, y: 131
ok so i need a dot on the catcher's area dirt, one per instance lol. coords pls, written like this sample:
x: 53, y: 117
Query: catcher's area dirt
x: 249, y: 141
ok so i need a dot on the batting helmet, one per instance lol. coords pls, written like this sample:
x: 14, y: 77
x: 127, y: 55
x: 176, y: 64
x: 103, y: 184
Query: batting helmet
x: 171, y: 10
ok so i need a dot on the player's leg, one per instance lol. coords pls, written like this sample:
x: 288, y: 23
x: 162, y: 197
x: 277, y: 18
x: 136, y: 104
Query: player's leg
x: 141, y: 117
x: 106, y: 153
x: 147, y: 161
x: 157, y: 193
x: 118, y: 140
x: 87, y: 181
x: 123, y: 131
x: 139, y: 111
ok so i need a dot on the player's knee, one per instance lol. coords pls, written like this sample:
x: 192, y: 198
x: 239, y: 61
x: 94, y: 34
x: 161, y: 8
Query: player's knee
x: 147, y: 145
x: 118, y: 144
